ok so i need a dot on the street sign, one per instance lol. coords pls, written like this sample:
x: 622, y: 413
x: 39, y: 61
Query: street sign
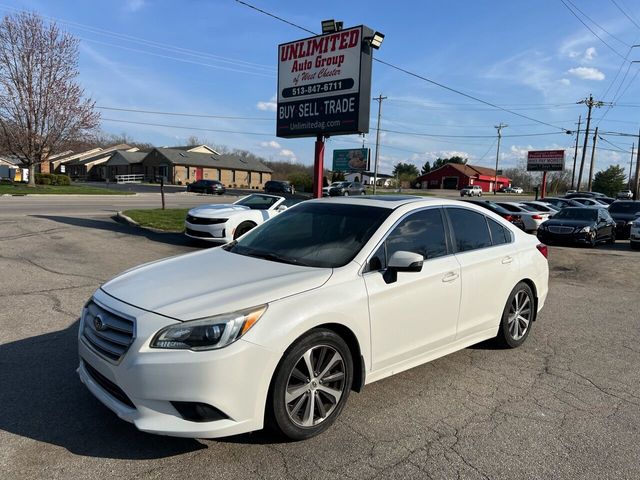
x: 351, y: 160
x: 545, y: 160
x: 324, y: 84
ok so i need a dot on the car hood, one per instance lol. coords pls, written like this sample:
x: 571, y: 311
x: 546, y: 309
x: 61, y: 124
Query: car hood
x: 565, y: 222
x: 211, y: 282
x: 217, y: 210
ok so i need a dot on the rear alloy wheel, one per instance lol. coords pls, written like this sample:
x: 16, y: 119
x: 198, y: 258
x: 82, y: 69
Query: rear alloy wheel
x: 592, y: 239
x: 612, y: 240
x: 311, y: 385
x: 518, y: 314
x: 243, y: 228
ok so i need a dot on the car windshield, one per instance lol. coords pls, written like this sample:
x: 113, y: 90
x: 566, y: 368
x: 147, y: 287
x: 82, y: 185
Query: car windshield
x: 588, y: 214
x: 625, y: 207
x: 258, y: 202
x: 313, y: 234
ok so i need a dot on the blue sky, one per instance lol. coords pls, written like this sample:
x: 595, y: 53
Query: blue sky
x: 218, y: 57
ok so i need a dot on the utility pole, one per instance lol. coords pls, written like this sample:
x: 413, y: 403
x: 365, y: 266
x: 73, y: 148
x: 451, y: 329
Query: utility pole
x: 575, y: 153
x: 499, y: 127
x: 593, y: 159
x: 379, y: 99
x: 636, y: 186
x: 590, y: 103
x: 631, y: 166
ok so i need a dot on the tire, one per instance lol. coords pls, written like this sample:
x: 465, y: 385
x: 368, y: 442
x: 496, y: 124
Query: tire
x: 346, y: 194
x: 243, y: 228
x: 635, y: 245
x: 593, y: 241
x: 612, y: 240
x: 519, y: 312
x: 311, y: 408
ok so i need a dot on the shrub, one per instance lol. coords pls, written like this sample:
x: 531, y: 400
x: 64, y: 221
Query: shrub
x: 6, y: 181
x: 63, y: 180
x: 44, y: 181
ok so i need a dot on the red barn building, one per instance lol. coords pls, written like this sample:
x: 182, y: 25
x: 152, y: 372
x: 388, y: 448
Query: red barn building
x: 454, y: 176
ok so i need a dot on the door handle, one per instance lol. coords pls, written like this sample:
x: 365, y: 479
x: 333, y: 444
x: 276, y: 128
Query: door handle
x: 450, y: 277
x: 506, y: 260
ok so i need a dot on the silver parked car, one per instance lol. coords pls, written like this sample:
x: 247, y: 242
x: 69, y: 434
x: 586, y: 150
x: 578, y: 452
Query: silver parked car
x: 344, y: 189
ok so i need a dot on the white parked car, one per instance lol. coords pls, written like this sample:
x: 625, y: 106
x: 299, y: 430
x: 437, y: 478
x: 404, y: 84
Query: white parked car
x: 625, y: 195
x: 532, y: 220
x: 471, y: 191
x: 226, y: 222
x: 280, y: 325
x: 517, y: 190
x: 537, y: 206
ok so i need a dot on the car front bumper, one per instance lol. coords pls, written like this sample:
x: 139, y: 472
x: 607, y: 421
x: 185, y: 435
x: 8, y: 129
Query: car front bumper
x: 634, y: 234
x: 623, y: 229
x: 234, y: 380
x: 576, y: 237
x: 218, y: 232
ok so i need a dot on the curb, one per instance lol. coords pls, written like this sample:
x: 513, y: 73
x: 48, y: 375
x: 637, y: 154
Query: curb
x: 122, y: 218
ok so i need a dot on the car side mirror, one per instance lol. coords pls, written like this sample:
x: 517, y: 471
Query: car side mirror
x: 281, y: 208
x: 403, y: 261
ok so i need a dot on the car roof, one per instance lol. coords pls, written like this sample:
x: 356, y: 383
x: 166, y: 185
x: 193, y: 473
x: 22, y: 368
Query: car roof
x: 391, y: 201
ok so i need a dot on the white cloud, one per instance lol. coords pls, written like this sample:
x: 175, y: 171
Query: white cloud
x: 134, y: 5
x: 565, y: 81
x: 271, y: 144
x: 288, y: 154
x: 269, y: 106
x: 590, y: 53
x: 587, y: 73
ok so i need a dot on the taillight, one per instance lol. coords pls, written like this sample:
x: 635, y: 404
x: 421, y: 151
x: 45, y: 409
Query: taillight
x: 543, y: 249
x: 536, y: 217
x: 508, y: 218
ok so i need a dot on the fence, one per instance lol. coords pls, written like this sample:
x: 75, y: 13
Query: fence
x: 137, y: 178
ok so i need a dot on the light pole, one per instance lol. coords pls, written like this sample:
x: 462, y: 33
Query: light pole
x: 495, y: 178
x: 379, y: 99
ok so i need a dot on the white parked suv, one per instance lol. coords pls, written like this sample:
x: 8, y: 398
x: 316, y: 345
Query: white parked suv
x: 278, y: 327
x: 634, y: 234
x: 471, y: 191
x: 625, y: 195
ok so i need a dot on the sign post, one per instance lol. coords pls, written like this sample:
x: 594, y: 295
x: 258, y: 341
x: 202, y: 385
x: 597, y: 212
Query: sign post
x: 324, y: 89
x: 545, y: 161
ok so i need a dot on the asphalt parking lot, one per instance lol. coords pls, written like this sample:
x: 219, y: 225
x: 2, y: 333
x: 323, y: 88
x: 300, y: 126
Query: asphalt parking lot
x: 565, y: 405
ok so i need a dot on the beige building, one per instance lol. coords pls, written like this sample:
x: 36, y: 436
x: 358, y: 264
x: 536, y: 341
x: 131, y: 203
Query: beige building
x: 180, y: 166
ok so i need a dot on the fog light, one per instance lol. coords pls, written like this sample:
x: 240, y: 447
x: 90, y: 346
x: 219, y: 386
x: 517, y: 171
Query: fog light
x: 198, y: 412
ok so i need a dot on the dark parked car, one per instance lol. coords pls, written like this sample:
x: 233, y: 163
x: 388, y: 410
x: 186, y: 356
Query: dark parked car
x: 206, y: 186
x: 584, y: 195
x: 624, y: 212
x: 586, y: 225
x: 561, y: 202
x: 344, y: 189
x: 278, y: 186
x: 503, y: 212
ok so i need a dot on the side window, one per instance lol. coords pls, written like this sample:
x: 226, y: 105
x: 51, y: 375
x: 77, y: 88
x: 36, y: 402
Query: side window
x: 422, y: 232
x: 499, y: 234
x: 469, y: 229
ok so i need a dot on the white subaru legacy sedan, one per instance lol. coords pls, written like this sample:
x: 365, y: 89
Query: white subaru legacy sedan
x: 276, y: 328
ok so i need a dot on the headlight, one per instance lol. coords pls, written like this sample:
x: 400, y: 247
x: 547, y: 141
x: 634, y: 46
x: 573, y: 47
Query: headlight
x: 208, y: 333
x: 586, y: 229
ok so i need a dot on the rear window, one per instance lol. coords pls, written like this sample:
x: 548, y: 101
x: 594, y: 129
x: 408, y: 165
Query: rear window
x: 624, y: 207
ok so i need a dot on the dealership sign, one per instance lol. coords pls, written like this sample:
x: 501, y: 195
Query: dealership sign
x: 324, y: 84
x: 351, y: 160
x: 545, y: 160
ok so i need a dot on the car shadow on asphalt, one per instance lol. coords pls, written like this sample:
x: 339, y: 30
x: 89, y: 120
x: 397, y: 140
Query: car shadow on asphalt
x: 113, y: 225
x: 43, y: 399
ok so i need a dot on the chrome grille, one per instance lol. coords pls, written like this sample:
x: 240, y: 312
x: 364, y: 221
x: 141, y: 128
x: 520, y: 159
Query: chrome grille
x: 556, y: 229
x: 109, y: 334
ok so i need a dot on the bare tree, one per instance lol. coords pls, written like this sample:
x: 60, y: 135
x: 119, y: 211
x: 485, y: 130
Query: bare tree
x: 42, y: 106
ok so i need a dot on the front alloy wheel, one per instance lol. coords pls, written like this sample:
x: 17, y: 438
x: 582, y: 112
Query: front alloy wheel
x: 310, y: 386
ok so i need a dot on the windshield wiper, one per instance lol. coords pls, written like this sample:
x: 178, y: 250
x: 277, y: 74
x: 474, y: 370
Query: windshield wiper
x: 275, y: 257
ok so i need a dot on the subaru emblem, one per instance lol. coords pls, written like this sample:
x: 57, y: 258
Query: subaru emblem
x: 98, y: 324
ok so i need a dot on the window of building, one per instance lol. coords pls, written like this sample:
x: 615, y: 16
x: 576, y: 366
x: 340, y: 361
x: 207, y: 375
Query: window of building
x: 233, y: 176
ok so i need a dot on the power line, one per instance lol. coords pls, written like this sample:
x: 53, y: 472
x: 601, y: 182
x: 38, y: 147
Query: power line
x: 421, y: 77
x: 470, y: 136
x: 589, y: 28
x: 184, y: 127
x: 180, y: 114
x: 625, y: 13
x: 598, y: 25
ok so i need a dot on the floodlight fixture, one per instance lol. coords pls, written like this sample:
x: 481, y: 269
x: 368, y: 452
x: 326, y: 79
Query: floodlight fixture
x: 376, y: 40
x: 329, y: 26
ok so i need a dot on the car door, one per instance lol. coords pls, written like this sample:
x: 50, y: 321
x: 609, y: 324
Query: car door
x: 417, y: 312
x: 489, y: 268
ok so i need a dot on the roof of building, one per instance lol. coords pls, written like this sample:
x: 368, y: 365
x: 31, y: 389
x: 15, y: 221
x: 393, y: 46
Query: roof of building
x: 193, y: 148
x: 231, y: 162
x: 466, y: 169
x: 11, y: 160
x: 105, y: 152
x: 124, y: 157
